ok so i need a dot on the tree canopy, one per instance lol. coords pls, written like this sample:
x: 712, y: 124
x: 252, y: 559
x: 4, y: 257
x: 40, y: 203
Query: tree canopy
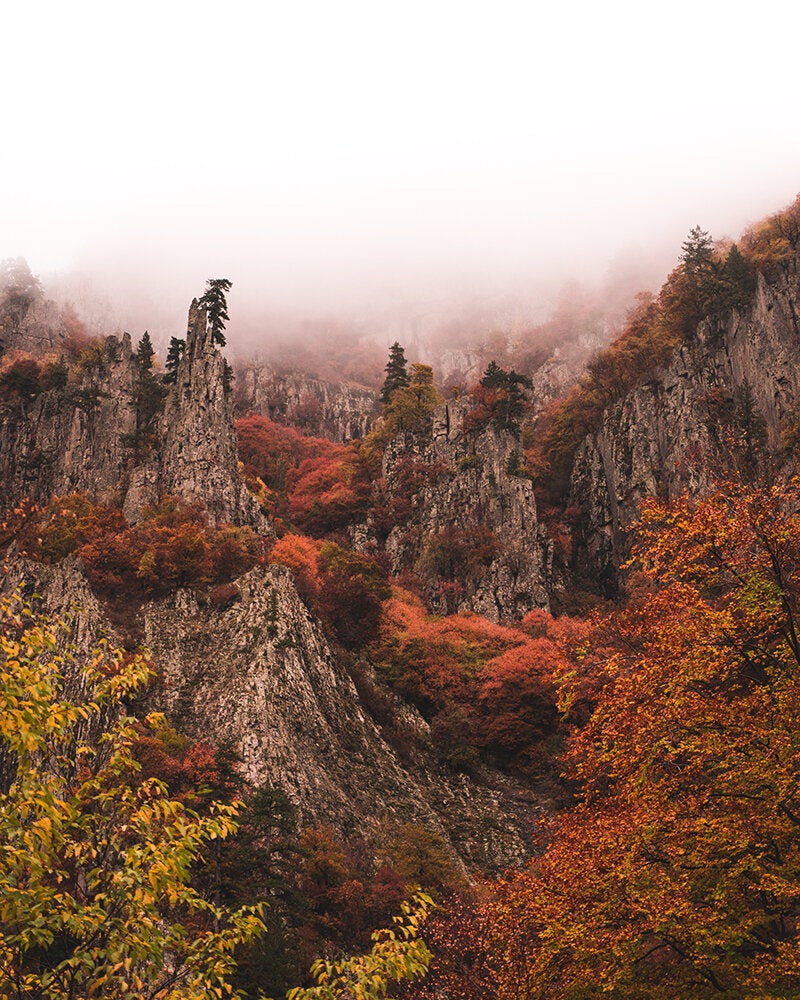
x: 95, y: 891
x: 396, y: 373
x: 214, y: 302
x: 678, y: 872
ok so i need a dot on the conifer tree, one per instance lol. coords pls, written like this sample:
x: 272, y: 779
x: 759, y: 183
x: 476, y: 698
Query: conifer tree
x: 144, y: 353
x: 739, y: 279
x: 501, y: 395
x: 214, y: 302
x: 396, y: 373
x: 174, y: 355
x: 148, y: 390
x: 701, y: 279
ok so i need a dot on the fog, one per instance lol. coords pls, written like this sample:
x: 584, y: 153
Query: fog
x: 379, y: 167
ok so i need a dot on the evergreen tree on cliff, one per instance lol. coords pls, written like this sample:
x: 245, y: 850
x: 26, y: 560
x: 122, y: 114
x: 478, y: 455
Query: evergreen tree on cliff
x: 145, y: 352
x: 396, y: 373
x: 214, y: 302
x: 174, y: 355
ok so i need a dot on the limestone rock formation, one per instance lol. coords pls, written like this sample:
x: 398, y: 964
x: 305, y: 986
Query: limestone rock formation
x: 198, y: 456
x: 260, y: 675
x: 728, y: 396
x: 471, y: 531
x: 75, y: 438
x: 83, y: 436
x: 336, y: 410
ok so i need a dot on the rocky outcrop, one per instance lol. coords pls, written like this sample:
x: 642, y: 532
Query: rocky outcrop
x: 32, y: 324
x: 198, y: 455
x: 335, y: 410
x: 259, y: 674
x: 75, y: 438
x: 726, y: 398
x: 262, y: 675
x: 83, y: 437
x: 465, y: 518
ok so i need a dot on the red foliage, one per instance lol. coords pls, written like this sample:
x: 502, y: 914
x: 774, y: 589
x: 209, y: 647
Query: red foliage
x: 268, y: 450
x: 320, y: 486
x: 484, y: 685
x: 345, y: 588
x: 172, y: 546
x: 301, y: 555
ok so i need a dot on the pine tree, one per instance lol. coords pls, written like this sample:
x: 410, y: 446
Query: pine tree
x: 502, y: 396
x: 144, y: 353
x: 148, y: 390
x: 739, y: 279
x: 396, y: 373
x: 494, y: 377
x: 701, y: 285
x: 214, y: 302
x: 174, y: 355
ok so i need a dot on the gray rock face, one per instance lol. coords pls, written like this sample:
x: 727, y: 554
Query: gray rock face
x: 472, y: 531
x: 34, y: 326
x: 261, y: 675
x: 73, y: 439
x: 198, y: 457
x: 80, y: 438
x: 337, y: 411
x: 668, y: 436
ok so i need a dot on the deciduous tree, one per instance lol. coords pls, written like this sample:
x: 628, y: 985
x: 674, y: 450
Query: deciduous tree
x: 95, y: 893
x: 678, y: 872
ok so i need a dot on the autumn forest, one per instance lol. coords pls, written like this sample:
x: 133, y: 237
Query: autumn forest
x: 497, y: 698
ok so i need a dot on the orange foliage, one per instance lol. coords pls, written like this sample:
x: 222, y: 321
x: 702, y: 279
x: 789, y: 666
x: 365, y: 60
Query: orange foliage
x: 487, y: 684
x: 301, y: 555
x: 268, y: 450
x: 320, y: 486
x: 344, y: 588
x: 677, y: 872
x: 172, y: 546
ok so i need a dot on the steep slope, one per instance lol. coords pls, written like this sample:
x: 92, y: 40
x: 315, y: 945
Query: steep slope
x: 729, y: 397
x: 73, y: 438
x: 260, y: 677
x: 197, y: 457
x: 336, y: 410
x: 461, y: 514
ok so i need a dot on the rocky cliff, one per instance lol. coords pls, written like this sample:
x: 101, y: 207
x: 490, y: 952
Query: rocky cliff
x: 82, y: 436
x: 258, y: 674
x: 336, y: 410
x: 73, y: 438
x: 197, y: 457
x: 462, y: 515
x: 728, y: 398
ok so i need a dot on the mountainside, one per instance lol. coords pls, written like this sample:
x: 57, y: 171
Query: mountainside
x: 355, y: 620
x: 459, y: 510
x: 726, y: 400
x: 338, y: 411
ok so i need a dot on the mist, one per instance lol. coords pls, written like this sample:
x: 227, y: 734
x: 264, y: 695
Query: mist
x: 385, y: 172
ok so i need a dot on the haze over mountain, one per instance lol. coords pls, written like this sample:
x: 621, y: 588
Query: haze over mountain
x: 378, y: 165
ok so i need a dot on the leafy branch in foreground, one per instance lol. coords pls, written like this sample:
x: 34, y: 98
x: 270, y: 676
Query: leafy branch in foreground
x: 398, y: 954
x: 95, y: 893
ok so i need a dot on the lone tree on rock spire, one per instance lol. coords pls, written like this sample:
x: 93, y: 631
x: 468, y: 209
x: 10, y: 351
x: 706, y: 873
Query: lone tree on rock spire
x: 396, y: 373
x: 214, y: 302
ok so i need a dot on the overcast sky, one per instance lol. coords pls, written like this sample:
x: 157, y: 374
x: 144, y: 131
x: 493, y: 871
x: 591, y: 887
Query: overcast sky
x: 319, y: 152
